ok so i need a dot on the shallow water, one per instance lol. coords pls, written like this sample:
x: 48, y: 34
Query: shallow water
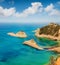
x: 12, y: 50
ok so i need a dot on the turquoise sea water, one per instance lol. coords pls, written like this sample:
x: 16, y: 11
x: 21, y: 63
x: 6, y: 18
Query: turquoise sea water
x: 12, y: 50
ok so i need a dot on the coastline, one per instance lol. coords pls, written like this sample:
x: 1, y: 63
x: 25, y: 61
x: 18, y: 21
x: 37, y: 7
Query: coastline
x: 47, y: 36
x: 26, y: 52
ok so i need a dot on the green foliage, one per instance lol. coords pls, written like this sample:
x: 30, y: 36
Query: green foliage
x: 50, y: 29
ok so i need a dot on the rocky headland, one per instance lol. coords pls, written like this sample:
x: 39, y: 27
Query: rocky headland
x: 51, y: 31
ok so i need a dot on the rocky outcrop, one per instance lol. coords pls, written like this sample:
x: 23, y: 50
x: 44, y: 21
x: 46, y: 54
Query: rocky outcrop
x: 37, y: 30
x: 18, y: 34
x: 33, y: 44
x: 54, y: 61
x: 57, y: 62
x: 21, y: 34
x: 51, y: 31
x: 56, y: 49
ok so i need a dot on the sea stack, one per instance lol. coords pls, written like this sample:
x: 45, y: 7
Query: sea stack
x: 33, y: 44
x: 20, y: 34
x: 51, y: 31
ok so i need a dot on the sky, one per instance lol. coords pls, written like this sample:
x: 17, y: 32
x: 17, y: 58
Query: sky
x: 29, y: 11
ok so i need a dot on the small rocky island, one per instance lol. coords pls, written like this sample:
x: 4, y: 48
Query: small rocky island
x: 33, y: 44
x: 20, y: 34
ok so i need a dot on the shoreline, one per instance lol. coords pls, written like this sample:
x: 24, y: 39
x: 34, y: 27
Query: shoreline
x: 46, y: 36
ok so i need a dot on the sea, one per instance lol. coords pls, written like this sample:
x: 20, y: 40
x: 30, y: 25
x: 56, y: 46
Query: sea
x: 14, y: 52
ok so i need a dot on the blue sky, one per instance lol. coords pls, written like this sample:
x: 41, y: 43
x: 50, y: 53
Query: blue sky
x: 29, y: 11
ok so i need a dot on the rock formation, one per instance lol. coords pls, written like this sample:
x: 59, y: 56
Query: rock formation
x: 51, y: 31
x: 21, y: 34
x: 57, y: 61
x: 18, y: 34
x: 56, y: 49
x: 33, y: 44
x: 54, y: 61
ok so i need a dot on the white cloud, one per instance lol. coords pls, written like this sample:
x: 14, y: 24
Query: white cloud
x: 55, y: 12
x: 6, y: 12
x: 35, y: 8
x: 50, y: 9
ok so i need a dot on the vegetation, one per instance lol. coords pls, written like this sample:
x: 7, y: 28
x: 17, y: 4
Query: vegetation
x: 51, y: 29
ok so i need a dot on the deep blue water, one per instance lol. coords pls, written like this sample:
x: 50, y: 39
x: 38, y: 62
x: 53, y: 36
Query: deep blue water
x: 12, y: 50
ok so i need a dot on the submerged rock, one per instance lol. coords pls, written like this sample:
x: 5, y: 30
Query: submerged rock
x: 33, y: 44
x: 18, y: 34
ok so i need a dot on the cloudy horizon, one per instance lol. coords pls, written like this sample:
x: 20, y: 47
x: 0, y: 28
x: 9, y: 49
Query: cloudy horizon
x: 34, y: 11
